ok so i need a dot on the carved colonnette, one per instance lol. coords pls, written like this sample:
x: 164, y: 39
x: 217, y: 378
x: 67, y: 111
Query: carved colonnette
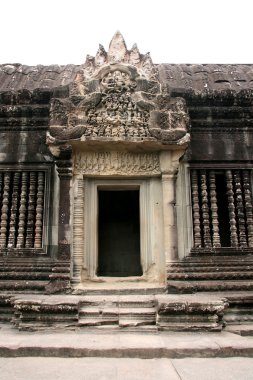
x: 214, y: 209
x: 237, y: 196
x: 231, y: 209
x: 205, y: 210
x: 196, y: 208
x: 248, y: 205
x: 24, y: 210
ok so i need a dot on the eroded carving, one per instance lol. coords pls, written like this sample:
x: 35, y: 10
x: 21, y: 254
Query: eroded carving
x: 109, y: 163
x: 117, y: 96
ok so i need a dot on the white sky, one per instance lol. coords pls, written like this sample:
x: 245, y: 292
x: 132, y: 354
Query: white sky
x: 174, y: 31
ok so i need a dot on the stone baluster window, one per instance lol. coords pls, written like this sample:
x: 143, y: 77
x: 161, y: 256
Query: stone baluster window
x: 222, y: 208
x: 22, y: 194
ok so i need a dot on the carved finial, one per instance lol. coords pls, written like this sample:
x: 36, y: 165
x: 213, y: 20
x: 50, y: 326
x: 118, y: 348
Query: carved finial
x: 134, y: 55
x: 89, y: 59
x: 117, y: 49
x: 101, y: 55
x: 89, y: 67
x: 148, y: 67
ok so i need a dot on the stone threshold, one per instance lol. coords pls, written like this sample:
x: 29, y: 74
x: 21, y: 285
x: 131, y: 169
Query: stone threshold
x: 117, y: 288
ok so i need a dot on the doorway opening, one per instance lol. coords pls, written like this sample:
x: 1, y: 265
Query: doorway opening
x: 119, y: 233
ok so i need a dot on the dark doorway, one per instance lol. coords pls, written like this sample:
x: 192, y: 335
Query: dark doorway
x: 119, y: 233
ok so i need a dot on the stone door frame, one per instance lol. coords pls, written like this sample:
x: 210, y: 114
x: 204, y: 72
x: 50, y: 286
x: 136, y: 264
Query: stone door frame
x: 91, y: 223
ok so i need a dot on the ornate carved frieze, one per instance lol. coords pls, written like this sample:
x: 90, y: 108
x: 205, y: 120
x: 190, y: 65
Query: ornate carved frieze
x: 117, y: 96
x: 116, y: 163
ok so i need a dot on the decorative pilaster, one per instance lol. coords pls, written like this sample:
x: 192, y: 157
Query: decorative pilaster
x: 64, y: 168
x: 4, y: 214
x: 231, y: 209
x: 240, y: 209
x: 39, y: 211
x: 14, y: 210
x: 169, y: 162
x: 214, y: 210
x: 60, y: 282
x: 205, y: 210
x: 78, y: 230
x: 1, y: 187
x: 248, y: 206
x: 196, y: 209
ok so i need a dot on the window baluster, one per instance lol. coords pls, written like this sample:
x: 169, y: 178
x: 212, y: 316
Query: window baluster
x: 248, y: 206
x: 39, y: 211
x: 14, y: 211
x: 214, y: 210
x: 205, y: 211
x: 240, y: 209
x: 5, y: 209
x: 22, y: 211
x: 196, y: 209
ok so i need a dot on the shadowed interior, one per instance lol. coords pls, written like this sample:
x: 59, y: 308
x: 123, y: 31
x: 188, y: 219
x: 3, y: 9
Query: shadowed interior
x: 119, y: 233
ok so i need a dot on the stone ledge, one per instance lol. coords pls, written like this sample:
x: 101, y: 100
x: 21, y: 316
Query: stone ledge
x: 119, y: 345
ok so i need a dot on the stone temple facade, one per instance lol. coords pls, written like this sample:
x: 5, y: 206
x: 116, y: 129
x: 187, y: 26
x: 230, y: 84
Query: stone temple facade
x: 126, y: 194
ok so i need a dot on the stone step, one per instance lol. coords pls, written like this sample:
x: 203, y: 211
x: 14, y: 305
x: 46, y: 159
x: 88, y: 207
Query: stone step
x: 224, y: 251
x: 119, y: 322
x: 210, y: 276
x: 207, y: 286
x: 210, y: 262
x: 232, y: 318
x: 25, y: 268
x: 119, y: 300
x: 207, y: 269
x: 6, y: 313
x: 42, y: 312
x: 111, y: 312
x: 22, y: 285
x: 217, y: 258
x: 190, y: 312
x: 241, y: 329
x: 119, y: 345
x: 116, y: 310
x: 123, y: 311
x: 177, y: 312
x: 25, y: 275
x: 97, y: 314
x: 117, y: 291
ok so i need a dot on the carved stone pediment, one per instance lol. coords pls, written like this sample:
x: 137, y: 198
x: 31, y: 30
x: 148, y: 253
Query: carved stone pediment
x: 117, y: 96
